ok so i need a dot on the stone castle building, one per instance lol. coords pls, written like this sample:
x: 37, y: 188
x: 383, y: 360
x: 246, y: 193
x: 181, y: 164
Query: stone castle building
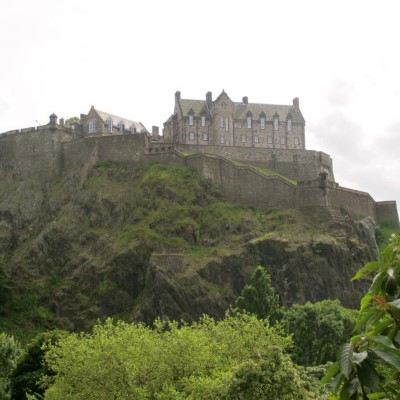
x: 255, y: 152
x: 223, y: 122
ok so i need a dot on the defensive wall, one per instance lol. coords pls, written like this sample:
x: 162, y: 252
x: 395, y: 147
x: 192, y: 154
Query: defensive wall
x: 46, y: 153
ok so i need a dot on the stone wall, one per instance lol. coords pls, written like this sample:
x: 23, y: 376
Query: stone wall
x: 46, y: 153
x: 302, y: 165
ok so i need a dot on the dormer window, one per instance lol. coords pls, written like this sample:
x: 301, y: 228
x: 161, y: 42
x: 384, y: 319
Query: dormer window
x: 289, y: 124
x: 121, y: 127
x: 191, y: 120
x: 262, y: 120
x: 276, y: 122
x: 203, y: 120
x: 262, y: 123
x: 133, y: 129
x: 248, y: 120
x: 109, y: 124
x: 92, y: 126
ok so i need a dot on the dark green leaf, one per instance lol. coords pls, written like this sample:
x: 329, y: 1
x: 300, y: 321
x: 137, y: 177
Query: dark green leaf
x: 368, y: 376
x: 332, y: 371
x: 367, y: 268
x: 391, y: 358
x: 345, y: 357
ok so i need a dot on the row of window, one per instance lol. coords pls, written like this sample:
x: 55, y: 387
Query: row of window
x: 191, y: 120
x: 249, y: 122
x: 244, y: 139
x: 121, y: 126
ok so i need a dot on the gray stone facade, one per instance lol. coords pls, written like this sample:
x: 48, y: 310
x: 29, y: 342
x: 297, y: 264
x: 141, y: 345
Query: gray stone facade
x: 225, y: 123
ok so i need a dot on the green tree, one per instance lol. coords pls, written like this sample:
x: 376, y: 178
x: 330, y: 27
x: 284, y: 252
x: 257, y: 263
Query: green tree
x: 10, y: 351
x: 71, y: 120
x: 259, y: 297
x: 368, y: 367
x: 205, y: 360
x: 318, y: 330
x: 30, y: 371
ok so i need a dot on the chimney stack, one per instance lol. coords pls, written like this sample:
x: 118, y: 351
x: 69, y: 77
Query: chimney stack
x: 245, y: 100
x: 177, y: 96
x: 155, y: 130
x: 296, y: 103
x: 209, y: 100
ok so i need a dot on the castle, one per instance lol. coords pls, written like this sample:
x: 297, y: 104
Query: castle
x: 255, y: 152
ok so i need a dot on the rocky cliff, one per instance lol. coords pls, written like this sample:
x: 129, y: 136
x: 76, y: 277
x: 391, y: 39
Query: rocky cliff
x: 160, y: 241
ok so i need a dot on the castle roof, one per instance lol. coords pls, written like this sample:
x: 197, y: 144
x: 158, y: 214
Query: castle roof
x: 199, y: 107
x: 241, y: 109
x: 116, y: 120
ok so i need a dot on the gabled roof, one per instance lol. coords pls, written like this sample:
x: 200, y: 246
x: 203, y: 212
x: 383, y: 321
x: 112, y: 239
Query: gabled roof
x: 241, y: 109
x: 116, y: 119
x: 197, y: 106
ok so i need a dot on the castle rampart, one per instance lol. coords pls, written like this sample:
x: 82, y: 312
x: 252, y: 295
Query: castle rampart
x: 302, y: 165
x: 48, y: 152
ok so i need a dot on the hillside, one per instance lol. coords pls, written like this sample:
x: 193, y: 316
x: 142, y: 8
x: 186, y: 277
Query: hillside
x: 141, y: 242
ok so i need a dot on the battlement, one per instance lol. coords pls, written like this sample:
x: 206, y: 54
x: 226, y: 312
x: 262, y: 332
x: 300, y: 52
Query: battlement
x: 302, y: 179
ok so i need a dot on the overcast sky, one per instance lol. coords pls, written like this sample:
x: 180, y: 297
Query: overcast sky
x: 128, y: 57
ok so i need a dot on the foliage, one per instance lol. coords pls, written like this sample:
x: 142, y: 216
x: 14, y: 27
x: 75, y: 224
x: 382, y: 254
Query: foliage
x: 318, y: 330
x: 206, y: 360
x: 259, y: 297
x: 5, y: 285
x: 368, y: 367
x: 274, y: 377
x: 30, y: 369
x: 72, y: 120
x: 10, y: 351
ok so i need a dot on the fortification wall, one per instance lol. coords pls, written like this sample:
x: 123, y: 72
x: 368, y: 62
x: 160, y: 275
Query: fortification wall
x: 357, y: 204
x: 386, y: 212
x: 296, y: 164
x: 32, y: 153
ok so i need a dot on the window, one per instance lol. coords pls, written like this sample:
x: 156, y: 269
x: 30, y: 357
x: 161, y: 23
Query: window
x: 243, y: 139
x: 191, y: 120
x: 262, y: 123
x: 205, y: 136
x: 222, y: 140
x: 237, y: 125
x: 269, y: 139
x: 256, y: 139
x: 133, y: 129
x: 222, y: 122
x: 296, y: 141
x: 276, y: 123
x: 203, y: 120
x: 248, y: 120
x: 92, y: 126
x: 282, y: 140
x: 191, y: 136
x: 226, y: 124
x: 121, y: 127
x: 289, y: 124
x: 109, y: 124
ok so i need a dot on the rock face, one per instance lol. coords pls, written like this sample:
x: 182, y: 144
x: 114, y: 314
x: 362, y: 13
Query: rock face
x: 160, y: 241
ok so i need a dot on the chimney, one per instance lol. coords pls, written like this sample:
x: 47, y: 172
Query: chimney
x: 177, y: 96
x: 209, y: 100
x: 296, y: 103
x: 53, y: 121
x: 62, y: 122
x: 155, y: 130
x: 245, y: 100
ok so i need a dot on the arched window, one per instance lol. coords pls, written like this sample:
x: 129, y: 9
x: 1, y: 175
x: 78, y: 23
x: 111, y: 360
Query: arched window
x: 289, y: 124
x: 276, y: 122
x: 248, y: 120
x: 262, y: 120
x: 121, y: 127
x: 92, y: 126
x: 109, y: 124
